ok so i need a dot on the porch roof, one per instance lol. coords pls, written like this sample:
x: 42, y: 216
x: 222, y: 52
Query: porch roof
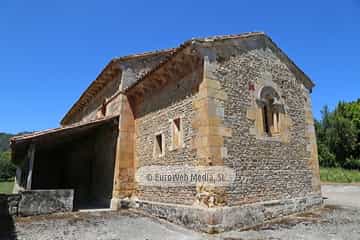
x: 20, y: 144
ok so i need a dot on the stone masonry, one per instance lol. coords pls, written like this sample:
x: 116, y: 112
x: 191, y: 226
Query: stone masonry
x: 38, y: 202
x: 240, y: 102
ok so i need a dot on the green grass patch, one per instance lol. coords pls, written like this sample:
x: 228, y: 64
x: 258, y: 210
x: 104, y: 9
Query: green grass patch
x: 6, y: 187
x: 339, y: 175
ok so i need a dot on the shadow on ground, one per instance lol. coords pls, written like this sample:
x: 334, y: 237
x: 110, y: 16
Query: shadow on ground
x: 7, y: 228
x: 7, y: 223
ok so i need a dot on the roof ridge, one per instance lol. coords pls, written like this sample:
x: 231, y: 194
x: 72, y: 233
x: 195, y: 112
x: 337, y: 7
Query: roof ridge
x: 229, y: 36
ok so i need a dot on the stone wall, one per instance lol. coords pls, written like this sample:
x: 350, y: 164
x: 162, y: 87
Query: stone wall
x: 153, y: 117
x: 9, y: 204
x: 36, y: 202
x: 268, y: 168
x: 42, y: 202
x: 221, y: 125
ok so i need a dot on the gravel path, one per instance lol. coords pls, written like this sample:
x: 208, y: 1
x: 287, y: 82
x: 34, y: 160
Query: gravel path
x: 329, y: 223
x: 101, y: 225
x: 339, y: 220
x: 342, y: 195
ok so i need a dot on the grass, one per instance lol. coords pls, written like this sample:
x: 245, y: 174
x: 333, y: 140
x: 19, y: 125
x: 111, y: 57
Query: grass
x: 6, y: 187
x: 339, y: 175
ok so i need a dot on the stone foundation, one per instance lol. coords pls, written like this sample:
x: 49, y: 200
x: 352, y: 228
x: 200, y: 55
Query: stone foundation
x: 36, y: 202
x: 214, y: 220
x: 42, y: 202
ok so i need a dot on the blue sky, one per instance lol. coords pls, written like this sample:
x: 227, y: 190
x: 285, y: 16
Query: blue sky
x: 50, y: 51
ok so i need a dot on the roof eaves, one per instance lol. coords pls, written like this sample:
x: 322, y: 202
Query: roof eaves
x: 77, y: 105
x: 33, y: 135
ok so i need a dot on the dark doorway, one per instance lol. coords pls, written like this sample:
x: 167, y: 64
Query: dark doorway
x: 83, y: 161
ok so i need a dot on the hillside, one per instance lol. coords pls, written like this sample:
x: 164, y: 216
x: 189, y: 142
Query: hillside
x: 4, y: 142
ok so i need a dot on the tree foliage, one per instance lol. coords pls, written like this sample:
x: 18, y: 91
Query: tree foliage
x: 4, y: 142
x: 338, y: 135
x: 7, y: 169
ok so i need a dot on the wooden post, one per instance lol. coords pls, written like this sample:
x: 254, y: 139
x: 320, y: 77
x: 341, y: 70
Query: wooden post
x: 30, y: 158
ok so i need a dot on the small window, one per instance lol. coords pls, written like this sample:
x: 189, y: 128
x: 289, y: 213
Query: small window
x: 276, y: 121
x: 270, y: 112
x: 271, y: 119
x: 176, y: 133
x: 159, y: 145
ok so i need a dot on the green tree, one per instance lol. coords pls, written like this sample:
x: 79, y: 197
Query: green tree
x: 338, y: 134
x: 7, y: 169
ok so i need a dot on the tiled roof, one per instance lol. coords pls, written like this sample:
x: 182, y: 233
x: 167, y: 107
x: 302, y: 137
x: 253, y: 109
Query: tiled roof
x: 101, y: 81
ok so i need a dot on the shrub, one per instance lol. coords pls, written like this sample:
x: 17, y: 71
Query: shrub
x: 326, y: 158
x: 352, y: 163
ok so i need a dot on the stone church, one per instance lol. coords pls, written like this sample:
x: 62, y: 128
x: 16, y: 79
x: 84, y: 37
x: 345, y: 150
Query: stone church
x: 236, y: 101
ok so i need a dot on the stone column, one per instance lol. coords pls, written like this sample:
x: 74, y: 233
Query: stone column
x: 124, y: 174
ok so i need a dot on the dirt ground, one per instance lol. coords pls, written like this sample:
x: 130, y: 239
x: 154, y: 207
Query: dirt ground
x: 329, y: 223
x: 339, y: 219
x: 345, y: 195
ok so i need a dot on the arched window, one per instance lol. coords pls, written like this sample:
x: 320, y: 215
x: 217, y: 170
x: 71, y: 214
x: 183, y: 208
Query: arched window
x: 271, y: 107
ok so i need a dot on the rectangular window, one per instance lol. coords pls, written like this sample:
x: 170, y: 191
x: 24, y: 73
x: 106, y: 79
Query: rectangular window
x: 176, y: 133
x: 159, y: 145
